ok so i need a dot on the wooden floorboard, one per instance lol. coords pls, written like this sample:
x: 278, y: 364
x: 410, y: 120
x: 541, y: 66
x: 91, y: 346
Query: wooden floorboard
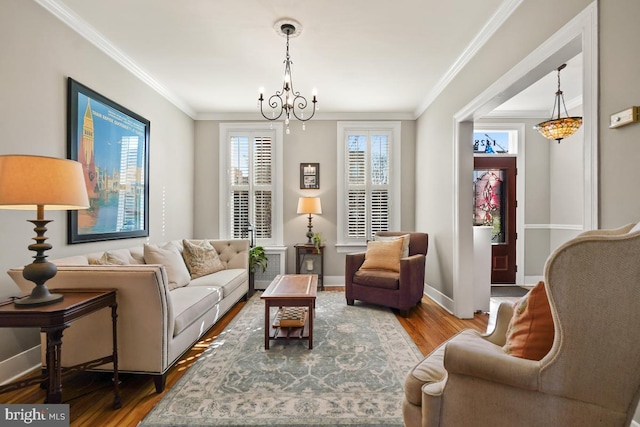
x: 428, y: 324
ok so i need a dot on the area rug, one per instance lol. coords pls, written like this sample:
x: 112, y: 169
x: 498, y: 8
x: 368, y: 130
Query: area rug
x: 353, y: 376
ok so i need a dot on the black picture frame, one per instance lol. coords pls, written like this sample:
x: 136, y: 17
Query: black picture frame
x: 309, y: 176
x: 98, y: 129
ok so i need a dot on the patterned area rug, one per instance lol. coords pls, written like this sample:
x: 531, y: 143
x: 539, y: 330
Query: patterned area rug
x: 353, y: 376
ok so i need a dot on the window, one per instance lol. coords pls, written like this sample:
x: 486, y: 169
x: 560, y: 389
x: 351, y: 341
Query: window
x: 495, y: 141
x: 369, y: 180
x: 250, y: 181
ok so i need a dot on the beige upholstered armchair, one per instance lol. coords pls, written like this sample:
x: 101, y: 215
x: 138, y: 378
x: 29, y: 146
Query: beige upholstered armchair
x: 396, y: 289
x: 591, y: 375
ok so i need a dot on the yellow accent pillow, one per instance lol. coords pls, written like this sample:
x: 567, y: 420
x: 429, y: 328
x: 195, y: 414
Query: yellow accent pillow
x: 530, y: 332
x: 405, y: 242
x: 383, y: 255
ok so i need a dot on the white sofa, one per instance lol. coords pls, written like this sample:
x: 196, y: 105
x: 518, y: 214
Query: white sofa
x: 158, y: 320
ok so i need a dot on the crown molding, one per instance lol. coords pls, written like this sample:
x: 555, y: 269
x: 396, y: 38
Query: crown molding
x: 318, y: 116
x: 493, y: 24
x: 79, y: 25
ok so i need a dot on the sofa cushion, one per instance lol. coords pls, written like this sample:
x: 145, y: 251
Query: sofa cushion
x: 405, y: 242
x: 189, y: 304
x: 201, y: 258
x: 169, y: 256
x: 530, y: 331
x: 383, y: 255
x: 227, y: 280
x: 384, y: 279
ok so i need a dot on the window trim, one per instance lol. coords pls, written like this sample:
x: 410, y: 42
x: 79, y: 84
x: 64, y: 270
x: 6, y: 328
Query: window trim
x: 224, y: 133
x: 395, y: 175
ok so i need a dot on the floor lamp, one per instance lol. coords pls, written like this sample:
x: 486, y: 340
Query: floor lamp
x: 41, y: 183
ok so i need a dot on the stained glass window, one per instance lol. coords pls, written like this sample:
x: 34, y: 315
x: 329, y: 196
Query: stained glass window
x: 489, y: 201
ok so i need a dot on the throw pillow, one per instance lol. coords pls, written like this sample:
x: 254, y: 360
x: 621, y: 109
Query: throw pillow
x: 383, y: 255
x: 530, y: 332
x: 169, y: 256
x: 405, y: 242
x: 110, y: 258
x: 201, y: 258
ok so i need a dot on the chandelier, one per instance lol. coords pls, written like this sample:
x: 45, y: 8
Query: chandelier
x: 559, y: 128
x: 287, y: 101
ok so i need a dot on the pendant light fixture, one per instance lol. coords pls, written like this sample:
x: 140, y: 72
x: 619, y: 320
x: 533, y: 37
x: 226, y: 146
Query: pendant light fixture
x: 287, y: 101
x: 559, y: 128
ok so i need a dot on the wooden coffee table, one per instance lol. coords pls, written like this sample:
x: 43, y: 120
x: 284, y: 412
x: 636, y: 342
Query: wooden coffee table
x: 290, y: 290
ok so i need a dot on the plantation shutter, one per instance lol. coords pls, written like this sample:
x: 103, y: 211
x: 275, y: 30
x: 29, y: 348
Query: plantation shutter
x: 251, y: 178
x: 367, y: 184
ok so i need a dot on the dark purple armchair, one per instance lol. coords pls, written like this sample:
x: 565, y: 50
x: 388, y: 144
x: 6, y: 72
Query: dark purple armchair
x: 400, y: 290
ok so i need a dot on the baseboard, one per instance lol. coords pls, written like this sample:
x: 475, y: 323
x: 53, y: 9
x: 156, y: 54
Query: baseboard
x: 20, y: 364
x: 334, y: 280
x: 439, y: 298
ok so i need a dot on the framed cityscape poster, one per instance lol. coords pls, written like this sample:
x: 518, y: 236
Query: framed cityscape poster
x: 112, y: 144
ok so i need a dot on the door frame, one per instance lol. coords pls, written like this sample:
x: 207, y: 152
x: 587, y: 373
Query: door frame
x: 519, y: 128
x: 578, y: 35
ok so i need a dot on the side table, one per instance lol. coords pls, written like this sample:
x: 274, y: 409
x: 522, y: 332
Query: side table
x: 52, y: 320
x: 305, y: 252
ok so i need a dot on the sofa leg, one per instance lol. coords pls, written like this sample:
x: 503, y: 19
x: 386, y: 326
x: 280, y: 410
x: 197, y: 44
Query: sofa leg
x: 160, y: 381
x: 350, y: 301
x: 404, y: 313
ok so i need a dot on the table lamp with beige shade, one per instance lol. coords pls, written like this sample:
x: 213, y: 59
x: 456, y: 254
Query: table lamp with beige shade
x: 310, y: 206
x: 41, y: 183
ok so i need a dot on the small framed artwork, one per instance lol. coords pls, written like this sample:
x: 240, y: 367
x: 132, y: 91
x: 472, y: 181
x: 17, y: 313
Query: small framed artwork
x: 310, y: 176
x: 112, y: 144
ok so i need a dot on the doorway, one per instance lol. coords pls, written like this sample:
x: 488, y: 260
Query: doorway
x: 494, y: 183
x: 580, y: 35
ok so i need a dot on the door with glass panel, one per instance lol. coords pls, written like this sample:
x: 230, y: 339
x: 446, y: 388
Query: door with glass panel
x: 494, y: 182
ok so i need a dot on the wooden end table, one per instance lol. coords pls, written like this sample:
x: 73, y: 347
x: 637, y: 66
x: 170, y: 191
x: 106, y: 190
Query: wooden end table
x: 290, y: 290
x: 53, y: 319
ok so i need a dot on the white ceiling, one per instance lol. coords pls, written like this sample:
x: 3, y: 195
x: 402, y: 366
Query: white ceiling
x: 362, y: 56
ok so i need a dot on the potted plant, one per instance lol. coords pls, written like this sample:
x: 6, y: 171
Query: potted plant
x: 257, y: 259
x: 317, y: 241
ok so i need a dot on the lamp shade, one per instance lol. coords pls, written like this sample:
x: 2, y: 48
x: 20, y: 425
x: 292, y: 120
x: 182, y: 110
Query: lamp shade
x: 309, y: 205
x: 27, y: 182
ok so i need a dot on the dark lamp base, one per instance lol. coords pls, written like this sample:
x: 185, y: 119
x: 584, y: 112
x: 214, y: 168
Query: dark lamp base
x: 39, y: 296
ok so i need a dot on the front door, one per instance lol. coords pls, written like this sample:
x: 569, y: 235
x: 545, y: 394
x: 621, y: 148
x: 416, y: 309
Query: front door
x: 494, y: 180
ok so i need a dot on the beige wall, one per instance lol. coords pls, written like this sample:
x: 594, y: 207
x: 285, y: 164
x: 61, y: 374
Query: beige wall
x: 38, y: 53
x: 528, y: 27
x: 316, y: 144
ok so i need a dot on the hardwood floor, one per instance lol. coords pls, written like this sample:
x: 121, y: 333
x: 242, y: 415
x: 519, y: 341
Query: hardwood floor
x: 90, y: 395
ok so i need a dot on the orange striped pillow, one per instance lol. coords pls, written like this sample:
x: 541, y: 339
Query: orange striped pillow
x: 530, y: 333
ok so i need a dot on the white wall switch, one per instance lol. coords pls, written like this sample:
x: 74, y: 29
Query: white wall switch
x: 624, y: 117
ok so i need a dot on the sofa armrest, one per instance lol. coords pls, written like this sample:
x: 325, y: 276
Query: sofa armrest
x: 144, y: 314
x: 487, y: 361
x: 498, y: 335
x: 353, y: 262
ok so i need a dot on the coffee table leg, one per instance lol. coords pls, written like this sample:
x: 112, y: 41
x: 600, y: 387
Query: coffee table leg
x: 267, y: 322
x: 311, y: 314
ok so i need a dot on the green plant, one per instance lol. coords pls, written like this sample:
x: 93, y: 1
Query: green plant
x: 257, y: 258
x: 317, y: 240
